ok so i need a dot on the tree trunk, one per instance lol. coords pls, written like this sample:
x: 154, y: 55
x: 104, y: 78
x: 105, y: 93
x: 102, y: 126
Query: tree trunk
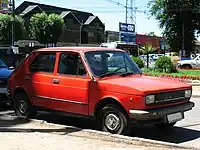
x: 147, y: 60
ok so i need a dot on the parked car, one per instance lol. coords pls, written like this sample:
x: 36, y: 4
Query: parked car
x: 87, y: 82
x: 189, y: 64
x: 5, y: 72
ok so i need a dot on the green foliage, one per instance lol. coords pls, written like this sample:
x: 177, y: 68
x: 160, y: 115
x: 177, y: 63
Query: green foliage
x: 56, y: 24
x: 46, y: 29
x: 6, y: 28
x: 164, y: 64
x: 138, y: 61
x: 171, y: 16
x: 147, y: 49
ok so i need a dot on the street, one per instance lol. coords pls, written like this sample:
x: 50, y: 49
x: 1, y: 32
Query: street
x: 186, y: 132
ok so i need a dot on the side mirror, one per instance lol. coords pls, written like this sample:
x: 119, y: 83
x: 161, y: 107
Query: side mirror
x: 11, y: 67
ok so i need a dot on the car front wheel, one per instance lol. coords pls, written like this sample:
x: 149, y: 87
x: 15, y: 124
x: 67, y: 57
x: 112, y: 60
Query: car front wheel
x: 113, y: 120
x: 23, y: 107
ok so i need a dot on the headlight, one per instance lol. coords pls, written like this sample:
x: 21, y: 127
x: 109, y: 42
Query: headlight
x: 188, y: 93
x: 150, y: 99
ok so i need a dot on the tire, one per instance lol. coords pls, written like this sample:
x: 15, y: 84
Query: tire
x: 110, y: 112
x: 165, y: 126
x: 22, y: 106
x: 187, y: 67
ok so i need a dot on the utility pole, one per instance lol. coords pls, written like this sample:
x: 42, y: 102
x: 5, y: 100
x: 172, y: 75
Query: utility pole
x: 183, y: 39
x: 126, y: 11
x: 81, y: 26
x: 13, y: 22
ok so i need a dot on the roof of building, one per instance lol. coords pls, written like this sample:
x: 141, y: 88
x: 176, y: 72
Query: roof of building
x: 81, y: 16
x: 29, y: 9
x: 90, y: 19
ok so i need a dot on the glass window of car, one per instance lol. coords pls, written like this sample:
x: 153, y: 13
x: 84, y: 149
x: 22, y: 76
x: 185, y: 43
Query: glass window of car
x: 43, y: 63
x: 103, y: 62
x: 2, y: 64
x: 71, y: 64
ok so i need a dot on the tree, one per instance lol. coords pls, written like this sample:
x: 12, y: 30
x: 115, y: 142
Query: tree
x: 6, y: 28
x: 147, y: 49
x: 151, y: 34
x: 46, y: 29
x: 56, y: 24
x: 39, y: 28
x: 179, y: 19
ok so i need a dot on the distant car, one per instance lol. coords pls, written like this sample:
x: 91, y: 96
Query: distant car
x: 189, y: 64
x: 5, y: 72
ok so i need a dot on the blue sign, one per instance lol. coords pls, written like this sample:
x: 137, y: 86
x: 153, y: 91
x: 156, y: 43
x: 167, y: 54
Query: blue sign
x: 128, y: 38
x: 125, y: 27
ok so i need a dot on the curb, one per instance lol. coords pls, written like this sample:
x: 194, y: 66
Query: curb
x: 195, y: 96
x: 116, y: 138
x: 194, y: 84
x: 104, y: 136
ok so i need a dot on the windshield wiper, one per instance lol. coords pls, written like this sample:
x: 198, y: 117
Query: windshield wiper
x: 128, y: 73
x: 108, y: 74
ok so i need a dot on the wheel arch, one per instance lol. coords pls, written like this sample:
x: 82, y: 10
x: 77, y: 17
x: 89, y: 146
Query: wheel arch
x: 106, y: 101
x: 19, y: 90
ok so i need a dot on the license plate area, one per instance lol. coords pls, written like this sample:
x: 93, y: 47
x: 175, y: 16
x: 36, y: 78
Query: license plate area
x: 171, y: 118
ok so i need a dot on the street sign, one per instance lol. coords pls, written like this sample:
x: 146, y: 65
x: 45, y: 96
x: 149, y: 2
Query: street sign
x: 127, y: 37
x: 125, y: 27
x: 127, y: 32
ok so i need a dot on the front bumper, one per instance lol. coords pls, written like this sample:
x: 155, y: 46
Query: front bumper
x: 160, y: 113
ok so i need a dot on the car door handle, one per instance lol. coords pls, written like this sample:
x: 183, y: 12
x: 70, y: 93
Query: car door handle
x: 27, y: 77
x: 56, y: 81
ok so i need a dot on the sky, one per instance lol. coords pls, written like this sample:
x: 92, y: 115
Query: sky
x: 109, y: 13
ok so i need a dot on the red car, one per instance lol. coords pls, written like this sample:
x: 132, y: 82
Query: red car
x: 100, y: 83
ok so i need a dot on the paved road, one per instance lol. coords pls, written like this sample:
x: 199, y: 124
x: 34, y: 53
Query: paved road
x: 186, y: 132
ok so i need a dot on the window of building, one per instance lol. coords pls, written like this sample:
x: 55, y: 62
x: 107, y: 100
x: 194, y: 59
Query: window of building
x: 43, y: 63
x: 71, y: 64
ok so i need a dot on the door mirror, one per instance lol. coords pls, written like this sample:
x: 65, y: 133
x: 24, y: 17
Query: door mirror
x: 11, y: 67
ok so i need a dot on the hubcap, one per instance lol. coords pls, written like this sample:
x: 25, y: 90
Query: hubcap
x: 112, y: 122
x: 22, y: 106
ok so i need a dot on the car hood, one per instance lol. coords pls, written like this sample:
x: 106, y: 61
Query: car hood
x: 5, y: 73
x: 140, y: 85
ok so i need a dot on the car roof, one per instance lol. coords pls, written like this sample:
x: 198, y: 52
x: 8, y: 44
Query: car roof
x: 77, y: 49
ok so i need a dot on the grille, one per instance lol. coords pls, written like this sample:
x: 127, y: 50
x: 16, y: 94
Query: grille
x: 170, y: 96
x: 3, y: 83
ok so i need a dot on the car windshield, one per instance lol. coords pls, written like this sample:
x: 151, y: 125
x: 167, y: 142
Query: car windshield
x: 2, y: 65
x: 111, y: 63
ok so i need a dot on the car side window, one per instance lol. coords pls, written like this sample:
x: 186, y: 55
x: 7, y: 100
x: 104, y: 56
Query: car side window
x: 71, y: 64
x: 43, y: 63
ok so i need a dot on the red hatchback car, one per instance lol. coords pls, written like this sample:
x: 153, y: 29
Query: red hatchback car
x: 100, y: 83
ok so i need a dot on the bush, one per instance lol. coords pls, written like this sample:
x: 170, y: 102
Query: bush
x: 138, y: 61
x: 164, y: 64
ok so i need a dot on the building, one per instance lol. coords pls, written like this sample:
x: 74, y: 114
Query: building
x: 80, y: 27
x: 141, y: 40
x: 4, y: 4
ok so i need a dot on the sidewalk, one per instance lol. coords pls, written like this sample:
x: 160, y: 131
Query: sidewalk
x: 196, y: 91
x: 20, y: 135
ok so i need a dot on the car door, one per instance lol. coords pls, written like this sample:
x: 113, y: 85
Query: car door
x: 198, y: 61
x: 71, y: 85
x: 39, y: 79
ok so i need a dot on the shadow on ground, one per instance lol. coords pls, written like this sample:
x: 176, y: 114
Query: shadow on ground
x: 175, y: 135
